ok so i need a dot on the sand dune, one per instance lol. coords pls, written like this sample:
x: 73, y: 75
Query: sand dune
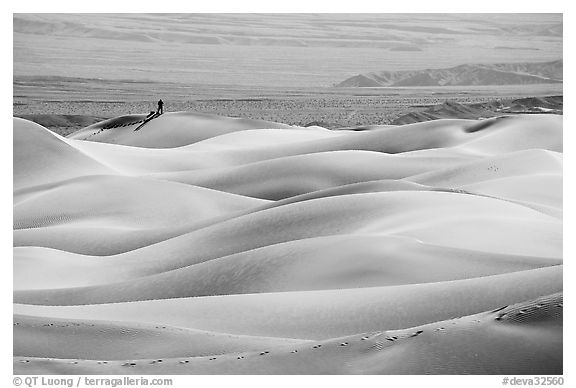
x: 186, y: 128
x: 524, y: 338
x: 37, y: 336
x: 251, y: 138
x: 137, y: 211
x: 492, y: 136
x: 205, y: 244
x: 501, y: 166
x: 41, y: 157
x: 545, y: 191
x: 125, y: 201
x: 423, y: 215
x: 311, y: 264
x: 542, y: 131
x: 286, y: 177
x: 320, y: 314
x: 476, y: 110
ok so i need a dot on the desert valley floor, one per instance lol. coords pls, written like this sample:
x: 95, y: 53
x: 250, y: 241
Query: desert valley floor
x: 204, y: 244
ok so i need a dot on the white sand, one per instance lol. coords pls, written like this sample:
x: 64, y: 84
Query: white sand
x: 524, y: 338
x: 200, y: 235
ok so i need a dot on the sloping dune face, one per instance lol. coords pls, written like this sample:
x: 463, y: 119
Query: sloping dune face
x: 185, y: 128
x: 198, y: 244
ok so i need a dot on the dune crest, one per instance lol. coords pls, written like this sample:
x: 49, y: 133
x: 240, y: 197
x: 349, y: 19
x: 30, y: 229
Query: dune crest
x: 523, y: 338
x: 201, y: 244
x: 185, y: 128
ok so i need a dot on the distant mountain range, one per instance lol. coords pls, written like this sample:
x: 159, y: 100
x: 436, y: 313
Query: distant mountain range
x: 468, y: 74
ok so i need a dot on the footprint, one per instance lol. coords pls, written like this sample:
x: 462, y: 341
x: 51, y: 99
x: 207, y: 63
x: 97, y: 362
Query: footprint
x: 500, y: 317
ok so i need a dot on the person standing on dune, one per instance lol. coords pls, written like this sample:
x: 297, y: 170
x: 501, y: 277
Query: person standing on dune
x: 160, y: 107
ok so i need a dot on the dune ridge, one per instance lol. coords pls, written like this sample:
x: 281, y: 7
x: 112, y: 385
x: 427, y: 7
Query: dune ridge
x: 202, y: 244
x: 513, y: 332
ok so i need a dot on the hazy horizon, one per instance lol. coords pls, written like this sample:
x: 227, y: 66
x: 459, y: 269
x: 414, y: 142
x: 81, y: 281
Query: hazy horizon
x: 297, y: 50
